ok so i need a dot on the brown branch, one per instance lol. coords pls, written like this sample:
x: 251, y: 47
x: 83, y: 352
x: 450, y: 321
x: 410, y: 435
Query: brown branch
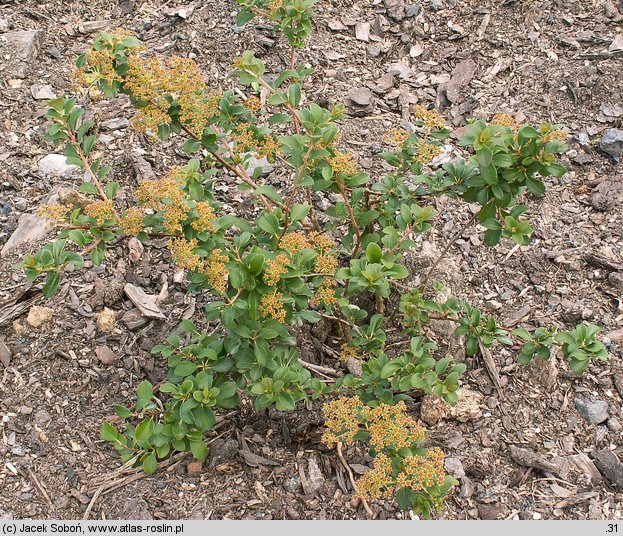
x: 351, y: 214
x: 352, y: 478
x: 241, y: 173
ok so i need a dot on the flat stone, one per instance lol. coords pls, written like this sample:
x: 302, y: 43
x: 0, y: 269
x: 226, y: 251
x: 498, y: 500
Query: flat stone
x: 42, y: 418
x: 106, y: 355
x: 133, y: 319
x: 30, y: 228
x: 116, y: 123
x: 55, y: 165
x: 18, y: 51
x: 44, y: 92
x: 469, y: 407
x: 612, y: 142
x: 492, y: 511
x: 593, y: 411
x: 253, y: 163
x: 5, y: 354
x: 106, y: 320
x: 413, y: 10
x: 361, y: 96
x: 607, y: 195
x: 195, y: 468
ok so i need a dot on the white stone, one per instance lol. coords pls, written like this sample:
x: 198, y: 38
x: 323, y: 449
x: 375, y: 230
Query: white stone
x: 56, y: 165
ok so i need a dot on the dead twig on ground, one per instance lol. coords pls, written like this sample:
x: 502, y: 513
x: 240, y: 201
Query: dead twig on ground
x: 352, y: 478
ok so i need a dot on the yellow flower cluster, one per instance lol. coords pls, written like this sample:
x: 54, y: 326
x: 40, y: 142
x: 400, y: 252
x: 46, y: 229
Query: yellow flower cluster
x: 275, y: 269
x: 166, y: 195
x: 272, y: 307
x: 183, y: 255
x: 100, y: 211
x: 321, y: 241
x: 244, y: 138
x: 293, y: 242
x: 390, y: 430
x: 422, y: 472
x: 349, y: 352
x: 377, y: 482
x: 396, y: 137
x: 431, y: 119
x: 205, y: 217
x: 253, y: 103
x: 216, y: 271
x: 391, y: 427
x: 54, y: 213
x: 341, y: 420
x: 326, y: 264
x: 158, y: 84
x: 426, y: 152
x: 325, y: 294
x: 132, y: 221
x: 343, y: 163
x: 559, y: 135
x: 274, y: 6
x: 505, y: 120
x: 268, y: 148
x: 149, y: 118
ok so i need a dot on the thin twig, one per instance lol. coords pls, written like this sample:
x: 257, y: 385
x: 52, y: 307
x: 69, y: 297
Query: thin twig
x: 318, y: 368
x: 352, y: 478
x: 92, y: 502
x: 40, y: 489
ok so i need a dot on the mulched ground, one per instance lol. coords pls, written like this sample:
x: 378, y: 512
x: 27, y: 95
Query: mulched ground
x: 520, y: 450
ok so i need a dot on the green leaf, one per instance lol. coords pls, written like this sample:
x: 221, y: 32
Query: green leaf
x: 145, y: 390
x: 279, y: 119
x: 111, y: 190
x: 122, y: 411
x: 199, y: 450
x: 374, y: 253
x: 79, y: 237
x: 191, y: 146
x: 108, y: 432
x: 389, y: 369
x: 97, y: 256
x: 150, y: 464
x: 88, y: 188
x: 298, y: 212
x: 87, y: 144
x: 522, y: 333
x: 185, y: 368
x: 270, y: 192
x: 187, y: 326
x: 294, y: 94
x: 52, y: 282
x: 244, y: 16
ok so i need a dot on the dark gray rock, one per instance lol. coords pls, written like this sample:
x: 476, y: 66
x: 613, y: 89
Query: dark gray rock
x: 222, y: 451
x: 610, y: 466
x: 612, y: 142
x: 593, y: 411
x: 413, y: 10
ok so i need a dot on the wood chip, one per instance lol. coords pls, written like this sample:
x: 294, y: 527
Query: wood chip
x: 144, y: 302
